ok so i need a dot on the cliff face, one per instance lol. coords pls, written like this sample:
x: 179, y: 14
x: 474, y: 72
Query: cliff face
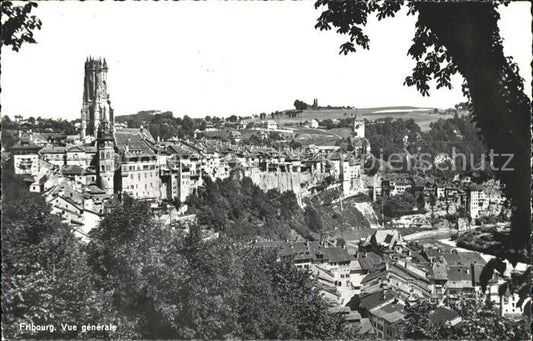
x: 368, y: 212
x: 282, y: 181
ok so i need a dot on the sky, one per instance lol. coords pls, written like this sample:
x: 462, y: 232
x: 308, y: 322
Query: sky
x: 222, y: 58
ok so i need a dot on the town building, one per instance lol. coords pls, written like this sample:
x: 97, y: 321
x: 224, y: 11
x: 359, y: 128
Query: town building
x: 26, y: 157
x: 137, y: 170
x: 477, y: 201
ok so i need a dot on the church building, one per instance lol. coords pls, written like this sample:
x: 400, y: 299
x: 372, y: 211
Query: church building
x: 125, y: 161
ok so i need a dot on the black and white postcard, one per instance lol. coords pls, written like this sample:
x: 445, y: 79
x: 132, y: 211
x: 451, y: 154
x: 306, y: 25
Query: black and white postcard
x: 266, y: 170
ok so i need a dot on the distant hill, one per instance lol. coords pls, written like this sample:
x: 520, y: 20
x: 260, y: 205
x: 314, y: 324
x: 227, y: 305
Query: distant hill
x: 422, y: 116
x: 144, y: 115
x: 368, y: 113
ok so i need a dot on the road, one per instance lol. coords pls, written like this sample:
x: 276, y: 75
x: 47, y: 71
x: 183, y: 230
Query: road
x: 444, y: 232
x: 439, y: 233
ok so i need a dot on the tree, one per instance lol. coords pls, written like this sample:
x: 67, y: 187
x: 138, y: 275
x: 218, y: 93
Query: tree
x: 300, y: 105
x: 43, y: 277
x: 18, y: 25
x: 399, y: 205
x: 187, y: 125
x: 294, y: 144
x: 417, y: 324
x: 133, y: 260
x: 313, y: 219
x: 461, y: 37
x: 432, y: 203
x: 480, y: 321
x: 420, y: 201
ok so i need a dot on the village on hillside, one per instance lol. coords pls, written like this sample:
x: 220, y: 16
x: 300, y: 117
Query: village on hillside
x: 386, y: 239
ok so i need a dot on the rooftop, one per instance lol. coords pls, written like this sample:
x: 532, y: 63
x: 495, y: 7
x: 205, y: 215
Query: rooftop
x: 392, y: 312
x: 132, y: 144
x: 372, y: 300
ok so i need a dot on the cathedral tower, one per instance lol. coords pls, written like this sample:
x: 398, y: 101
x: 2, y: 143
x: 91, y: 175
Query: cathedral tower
x: 96, y: 103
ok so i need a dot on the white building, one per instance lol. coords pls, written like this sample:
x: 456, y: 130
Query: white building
x: 313, y: 124
x: 272, y: 125
x: 359, y: 127
x: 477, y: 201
x: 25, y: 157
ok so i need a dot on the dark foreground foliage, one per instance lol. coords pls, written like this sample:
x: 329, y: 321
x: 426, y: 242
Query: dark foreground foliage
x: 152, y: 282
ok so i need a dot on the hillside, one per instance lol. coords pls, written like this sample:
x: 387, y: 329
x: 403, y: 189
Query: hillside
x: 144, y: 115
x: 422, y: 116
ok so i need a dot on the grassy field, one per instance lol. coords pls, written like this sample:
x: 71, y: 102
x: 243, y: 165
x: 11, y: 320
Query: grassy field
x: 422, y: 116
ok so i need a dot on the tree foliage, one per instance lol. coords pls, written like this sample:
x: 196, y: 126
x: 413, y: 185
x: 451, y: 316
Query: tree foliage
x: 386, y: 136
x: 241, y: 210
x: 300, y: 105
x: 18, y: 25
x: 42, y: 279
x: 480, y: 321
x: 456, y: 136
x: 399, y: 205
x: 150, y: 281
x: 418, y: 324
x: 166, y: 285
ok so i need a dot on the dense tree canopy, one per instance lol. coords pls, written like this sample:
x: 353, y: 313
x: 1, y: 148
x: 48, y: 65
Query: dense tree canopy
x: 151, y: 281
x: 42, y: 279
x: 386, y: 136
x: 399, y: 205
x: 457, y: 136
x: 240, y: 209
x: 300, y: 105
x: 480, y: 321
